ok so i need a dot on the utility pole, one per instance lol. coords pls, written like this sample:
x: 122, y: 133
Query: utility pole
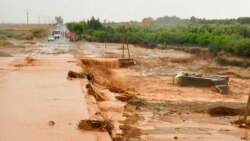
x: 27, y: 14
x: 45, y: 19
x: 39, y: 21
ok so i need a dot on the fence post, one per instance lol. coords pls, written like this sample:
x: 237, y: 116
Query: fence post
x: 128, y: 47
x: 123, y: 48
x: 247, y: 109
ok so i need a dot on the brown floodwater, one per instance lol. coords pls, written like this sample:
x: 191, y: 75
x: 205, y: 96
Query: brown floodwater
x: 33, y: 95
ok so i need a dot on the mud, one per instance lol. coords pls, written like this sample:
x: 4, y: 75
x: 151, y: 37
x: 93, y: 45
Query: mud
x: 168, y: 112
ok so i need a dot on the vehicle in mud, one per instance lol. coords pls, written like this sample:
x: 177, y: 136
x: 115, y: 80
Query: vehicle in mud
x: 51, y: 38
x: 200, y: 80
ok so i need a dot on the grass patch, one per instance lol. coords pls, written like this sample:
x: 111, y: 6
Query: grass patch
x: 5, y: 43
x: 233, y: 62
x: 29, y: 42
x: 131, y: 119
x: 91, y: 125
x: 130, y: 132
x: 3, y: 37
x: 24, y: 34
x: 3, y: 54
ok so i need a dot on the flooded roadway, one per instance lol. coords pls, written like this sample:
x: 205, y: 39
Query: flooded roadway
x: 33, y: 95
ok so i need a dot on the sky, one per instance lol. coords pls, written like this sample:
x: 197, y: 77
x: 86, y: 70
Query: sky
x: 13, y: 11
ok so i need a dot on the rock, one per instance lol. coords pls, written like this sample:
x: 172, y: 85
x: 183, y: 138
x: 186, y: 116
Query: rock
x: 51, y: 123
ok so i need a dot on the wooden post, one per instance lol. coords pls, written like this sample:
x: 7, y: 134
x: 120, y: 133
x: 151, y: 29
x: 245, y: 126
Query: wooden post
x: 106, y: 38
x: 128, y: 47
x: 247, y: 109
x: 106, y: 41
x: 123, y: 48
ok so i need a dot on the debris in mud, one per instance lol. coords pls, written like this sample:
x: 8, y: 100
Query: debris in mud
x: 29, y: 60
x: 90, y: 125
x: 122, y: 98
x: 72, y: 74
x: 131, y: 119
x: 51, y: 123
x: 242, y: 124
x: 115, y: 89
x: 71, y: 61
x: 130, y: 132
x: 118, y: 138
x: 92, y: 91
x: 4, y: 54
x: 200, y: 80
x: 134, y: 103
x: 225, y: 111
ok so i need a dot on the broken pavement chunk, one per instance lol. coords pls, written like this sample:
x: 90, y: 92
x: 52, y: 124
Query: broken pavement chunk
x: 126, y: 62
x: 200, y: 80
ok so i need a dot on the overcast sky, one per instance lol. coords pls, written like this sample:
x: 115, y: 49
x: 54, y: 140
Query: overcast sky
x: 120, y: 10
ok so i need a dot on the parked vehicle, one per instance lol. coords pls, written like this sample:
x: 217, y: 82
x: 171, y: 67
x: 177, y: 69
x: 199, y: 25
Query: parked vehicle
x: 72, y: 37
x: 56, y: 34
x: 51, y: 38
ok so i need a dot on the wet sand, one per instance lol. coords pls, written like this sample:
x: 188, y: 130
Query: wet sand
x: 31, y: 96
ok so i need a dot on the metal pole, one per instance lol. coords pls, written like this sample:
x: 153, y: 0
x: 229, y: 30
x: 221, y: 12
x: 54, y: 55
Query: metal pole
x: 247, y: 109
x: 39, y: 20
x: 27, y: 18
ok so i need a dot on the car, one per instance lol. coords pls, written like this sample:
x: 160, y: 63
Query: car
x: 51, y: 38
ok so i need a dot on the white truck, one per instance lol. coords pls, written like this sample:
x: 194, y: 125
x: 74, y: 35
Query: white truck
x: 56, y: 34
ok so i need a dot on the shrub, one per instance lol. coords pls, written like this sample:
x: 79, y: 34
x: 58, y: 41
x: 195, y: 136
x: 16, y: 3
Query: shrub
x: 5, y: 43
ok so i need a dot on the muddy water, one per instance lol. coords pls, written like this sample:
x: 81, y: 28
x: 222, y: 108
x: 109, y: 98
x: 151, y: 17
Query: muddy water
x: 31, y: 96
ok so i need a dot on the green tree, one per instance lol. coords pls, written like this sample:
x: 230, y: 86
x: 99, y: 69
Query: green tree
x: 94, y: 24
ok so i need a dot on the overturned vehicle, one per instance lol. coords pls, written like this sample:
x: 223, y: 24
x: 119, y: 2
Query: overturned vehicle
x: 200, y: 80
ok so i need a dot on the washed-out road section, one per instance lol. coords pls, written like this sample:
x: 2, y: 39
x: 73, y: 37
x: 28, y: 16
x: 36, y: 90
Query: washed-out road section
x: 33, y: 95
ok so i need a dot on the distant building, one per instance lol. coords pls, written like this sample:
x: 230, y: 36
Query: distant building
x: 147, y: 21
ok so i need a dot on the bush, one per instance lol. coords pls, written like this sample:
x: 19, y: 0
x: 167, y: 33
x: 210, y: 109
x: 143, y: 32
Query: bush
x: 5, y: 43
x: 229, y: 38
